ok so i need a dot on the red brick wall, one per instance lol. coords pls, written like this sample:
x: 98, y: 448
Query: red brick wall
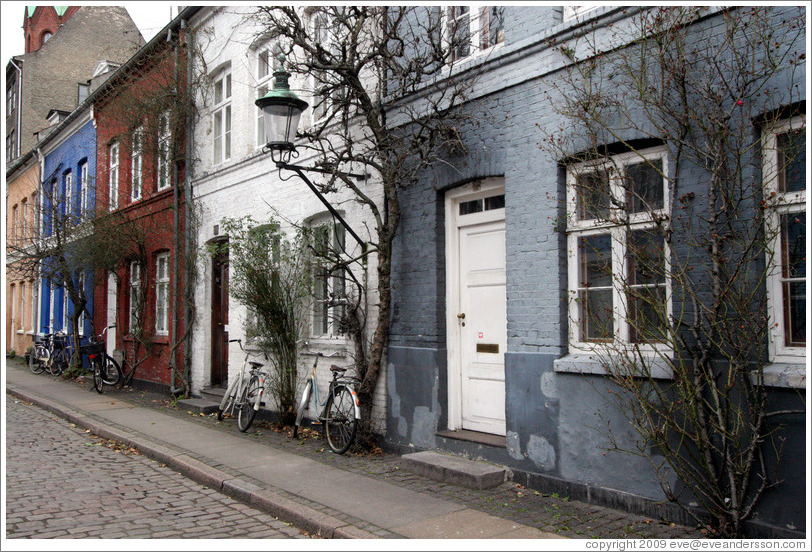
x: 44, y: 19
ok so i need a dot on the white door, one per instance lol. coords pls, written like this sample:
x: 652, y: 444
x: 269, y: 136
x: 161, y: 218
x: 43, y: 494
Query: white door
x: 112, y: 299
x: 478, y: 327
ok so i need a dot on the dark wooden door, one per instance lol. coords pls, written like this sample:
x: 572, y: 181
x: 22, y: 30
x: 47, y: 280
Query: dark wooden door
x: 219, y: 321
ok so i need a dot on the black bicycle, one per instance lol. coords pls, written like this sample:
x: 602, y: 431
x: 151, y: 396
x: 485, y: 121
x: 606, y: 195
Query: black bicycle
x: 106, y: 370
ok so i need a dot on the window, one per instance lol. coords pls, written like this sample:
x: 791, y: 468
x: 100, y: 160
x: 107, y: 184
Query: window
x: 784, y: 150
x: 571, y: 12
x: 22, y: 307
x: 33, y: 305
x: 135, y: 296
x: 617, y: 258
x: 221, y: 117
x: 46, y: 36
x: 112, y: 155
x: 14, y: 224
x: 164, y: 151
x: 11, y: 145
x: 84, y: 191
x: 83, y: 92
x: 474, y: 29
x: 82, y: 315
x: 67, y: 184
x: 24, y: 224
x: 137, y: 163
x: 328, y: 281
x: 320, y: 79
x: 65, y: 311
x: 162, y: 294
x: 265, y: 62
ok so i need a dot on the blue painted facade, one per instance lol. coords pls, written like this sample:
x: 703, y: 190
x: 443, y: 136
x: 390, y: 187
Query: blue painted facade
x: 68, y: 158
x: 556, y: 417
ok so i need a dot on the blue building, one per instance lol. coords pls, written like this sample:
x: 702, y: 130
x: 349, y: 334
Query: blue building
x: 514, y: 299
x: 67, y: 199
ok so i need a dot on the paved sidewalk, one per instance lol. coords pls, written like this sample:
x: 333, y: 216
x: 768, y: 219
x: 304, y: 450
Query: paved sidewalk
x: 301, y: 482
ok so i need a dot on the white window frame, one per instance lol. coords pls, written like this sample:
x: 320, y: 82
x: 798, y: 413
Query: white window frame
x: 14, y: 223
x: 67, y: 181
x: 33, y: 317
x: 221, y: 111
x: 319, y: 314
x: 113, y: 177
x: 264, y: 76
x: 83, y: 191
x: 781, y: 203
x: 319, y: 105
x: 135, y: 297
x: 619, y: 229
x: 164, y: 161
x: 137, y: 164
x: 162, y: 294
x: 577, y: 10
x: 82, y: 315
x: 21, y: 328
x: 478, y: 16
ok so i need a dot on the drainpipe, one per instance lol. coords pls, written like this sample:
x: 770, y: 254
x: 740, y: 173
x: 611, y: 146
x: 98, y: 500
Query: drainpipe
x: 187, y: 195
x: 173, y: 336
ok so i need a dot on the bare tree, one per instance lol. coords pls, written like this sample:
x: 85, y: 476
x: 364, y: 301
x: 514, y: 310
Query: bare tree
x: 700, y: 89
x: 387, y: 97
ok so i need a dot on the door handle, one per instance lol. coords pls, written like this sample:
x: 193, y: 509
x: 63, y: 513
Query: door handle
x: 461, y: 316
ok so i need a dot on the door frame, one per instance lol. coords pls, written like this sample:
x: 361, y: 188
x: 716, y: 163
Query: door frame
x: 470, y: 191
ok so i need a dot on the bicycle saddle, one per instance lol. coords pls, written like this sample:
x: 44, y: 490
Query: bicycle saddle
x: 255, y: 364
x: 335, y: 368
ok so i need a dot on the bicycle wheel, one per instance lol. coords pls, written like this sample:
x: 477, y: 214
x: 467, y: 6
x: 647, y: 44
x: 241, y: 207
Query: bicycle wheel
x: 56, y: 364
x: 303, y: 402
x: 340, y: 424
x: 111, y: 372
x: 228, y: 399
x: 36, y: 363
x: 245, y: 408
x: 98, y: 374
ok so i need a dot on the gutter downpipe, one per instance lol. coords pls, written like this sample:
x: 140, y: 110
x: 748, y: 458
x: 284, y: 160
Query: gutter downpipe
x: 175, y: 231
x: 187, y: 222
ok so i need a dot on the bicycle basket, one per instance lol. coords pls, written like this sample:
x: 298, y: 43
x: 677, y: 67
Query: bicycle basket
x: 92, y: 349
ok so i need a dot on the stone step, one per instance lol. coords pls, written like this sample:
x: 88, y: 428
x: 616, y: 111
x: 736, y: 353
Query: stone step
x: 204, y: 406
x: 455, y: 470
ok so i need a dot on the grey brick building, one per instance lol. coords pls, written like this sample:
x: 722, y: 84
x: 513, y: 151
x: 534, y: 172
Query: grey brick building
x: 489, y: 354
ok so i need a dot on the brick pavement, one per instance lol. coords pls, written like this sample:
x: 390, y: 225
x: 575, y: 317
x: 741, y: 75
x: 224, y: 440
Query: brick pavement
x: 64, y: 482
x: 546, y: 512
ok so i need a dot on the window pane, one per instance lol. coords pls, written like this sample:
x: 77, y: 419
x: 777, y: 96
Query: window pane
x: 792, y: 161
x: 495, y: 202
x: 647, y: 314
x: 597, y: 320
x: 646, y: 258
x: 644, y: 186
x: 218, y: 91
x: 593, y: 197
x: 470, y: 207
x: 795, y: 313
x: 793, y: 243
x: 264, y: 67
x: 595, y: 255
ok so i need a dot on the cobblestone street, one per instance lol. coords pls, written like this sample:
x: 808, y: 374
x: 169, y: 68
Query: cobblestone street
x: 63, y: 482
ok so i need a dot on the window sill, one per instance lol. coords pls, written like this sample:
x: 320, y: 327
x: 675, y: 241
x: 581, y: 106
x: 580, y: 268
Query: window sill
x: 584, y: 363
x: 790, y: 374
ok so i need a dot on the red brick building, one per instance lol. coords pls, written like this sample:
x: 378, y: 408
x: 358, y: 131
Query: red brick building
x: 140, y: 122
x: 42, y: 22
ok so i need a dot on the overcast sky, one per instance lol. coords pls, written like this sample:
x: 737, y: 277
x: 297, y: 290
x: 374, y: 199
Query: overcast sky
x: 150, y: 17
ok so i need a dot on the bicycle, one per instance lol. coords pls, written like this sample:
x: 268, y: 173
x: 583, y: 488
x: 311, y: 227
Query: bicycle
x: 106, y: 370
x: 237, y: 393
x: 52, y: 352
x: 341, y: 409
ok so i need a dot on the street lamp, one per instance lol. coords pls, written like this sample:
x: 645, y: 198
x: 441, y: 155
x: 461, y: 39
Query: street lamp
x: 281, y: 110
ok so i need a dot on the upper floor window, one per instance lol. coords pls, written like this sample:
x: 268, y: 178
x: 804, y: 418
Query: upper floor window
x: 11, y: 97
x: 164, y: 164
x: 67, y: 186
x: 571, y: 12
x: 137, y: 164
x: 221, y: 117
x: 617, y: 257
x: 11, y: 145
x: 46, y: 36
x: 24, y: 220
x: 14, y: 224
x: 472, y: 29
x: 112, y: 155
x: 329, y: 294
x: 784, y: 175
x: 162, y: 294
x: 83, y: 92
x: 266, y: 62
x: 322, y: 99
x: 84, y: 191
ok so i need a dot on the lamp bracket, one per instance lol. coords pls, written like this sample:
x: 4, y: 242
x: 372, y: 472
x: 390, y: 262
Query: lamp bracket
x: 359, y: 177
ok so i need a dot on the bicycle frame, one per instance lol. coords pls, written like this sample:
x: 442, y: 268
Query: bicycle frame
x: 236, y: 387
x: 312, y: 381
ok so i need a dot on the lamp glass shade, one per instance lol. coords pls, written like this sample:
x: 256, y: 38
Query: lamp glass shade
x: 281, y: 123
